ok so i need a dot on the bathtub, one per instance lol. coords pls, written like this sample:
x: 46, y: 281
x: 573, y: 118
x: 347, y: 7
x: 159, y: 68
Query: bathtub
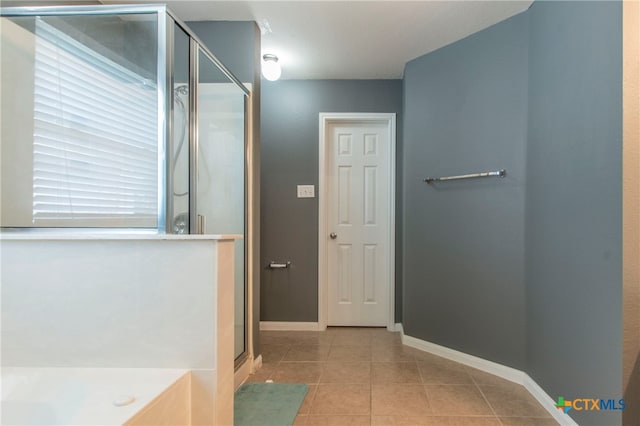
x: 94, y: 396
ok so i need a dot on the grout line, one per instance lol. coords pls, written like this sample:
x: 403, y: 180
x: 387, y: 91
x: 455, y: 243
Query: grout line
x: 485, y: 398
x: 313, y: 398
x: 370, y: 392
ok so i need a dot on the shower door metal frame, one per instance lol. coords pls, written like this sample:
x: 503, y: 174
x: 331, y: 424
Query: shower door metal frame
x: 162, y: 75
x: 165, y: 19
x: 195, y: 224
x: 169, y: 125
x: 195, y: 227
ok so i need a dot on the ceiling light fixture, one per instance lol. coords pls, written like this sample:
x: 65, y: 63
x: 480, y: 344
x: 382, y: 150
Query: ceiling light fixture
x: 270, y: 67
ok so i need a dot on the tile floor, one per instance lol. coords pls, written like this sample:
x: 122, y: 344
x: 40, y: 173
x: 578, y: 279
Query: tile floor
x: 365, y: 376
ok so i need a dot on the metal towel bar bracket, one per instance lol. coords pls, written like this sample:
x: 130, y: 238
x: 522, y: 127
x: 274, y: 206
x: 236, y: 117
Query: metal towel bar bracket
x: 497, y: 173
x: 276, y: 265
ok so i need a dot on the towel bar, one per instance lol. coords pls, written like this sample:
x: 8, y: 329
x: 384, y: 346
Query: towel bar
x: 497, y: 173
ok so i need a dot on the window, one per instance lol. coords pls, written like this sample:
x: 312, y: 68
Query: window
x: 95, y: 142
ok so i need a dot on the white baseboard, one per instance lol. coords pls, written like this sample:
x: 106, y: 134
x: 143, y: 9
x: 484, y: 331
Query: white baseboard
x: 494, y: 368
x: 257, y: 364
x: 547, y: 402
x: 398, y: 327
x: 507, y: 373
x: 288, y: 326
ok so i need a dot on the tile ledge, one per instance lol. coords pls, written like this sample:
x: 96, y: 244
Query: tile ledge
x: 117, y: 235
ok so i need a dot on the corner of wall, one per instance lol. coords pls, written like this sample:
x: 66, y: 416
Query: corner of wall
x: 631, y: 210
x: 255, y: 154
x: 574, y: 233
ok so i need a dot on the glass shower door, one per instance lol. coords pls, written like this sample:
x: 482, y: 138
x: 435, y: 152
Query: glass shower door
x: 220, y: 197
x: 79, y: 137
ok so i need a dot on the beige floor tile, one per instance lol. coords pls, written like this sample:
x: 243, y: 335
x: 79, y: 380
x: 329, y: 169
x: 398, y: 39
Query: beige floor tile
x: 427, y: 357
x: 355, y: 339
x: 483, y: 378
x: 274, y: 338
x: 307, y: 353
x: 528, y: 421
x: 400, y: 421
x: 434, y: 421
x: 273, y: 353
x: 460, y: 400
x: 382, y: 331
x: 386, y: 338
x: 366, y: 376
x: 314, y: 420
x: 309, y: 333
x: 305, y: 407
x: 512, y: 402
x: 465, y: 421
x: 350, y: 353
x: 300, y: 420
x: 346, y: 372
x: 399, y: 400
x: 342, y: 399
x: 392, y: 353
x: 349, y: 330
x: 443, y: 372
x: 325, y: 338
x: 293, y: 338
x: 313, y: 337
x: 394, y: 372
x: 311, y: 340
x: 267, y: 333
x: 298, y: 372
x: 263, y: 374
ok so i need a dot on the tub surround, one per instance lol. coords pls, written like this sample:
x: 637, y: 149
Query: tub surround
x: 96, y: 301
x: 18, y: 234
x: 86, y: 396
x: 170, y: 408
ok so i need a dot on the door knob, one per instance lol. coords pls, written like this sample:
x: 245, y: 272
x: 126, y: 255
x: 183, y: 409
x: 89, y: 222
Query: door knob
x: 333, y: 235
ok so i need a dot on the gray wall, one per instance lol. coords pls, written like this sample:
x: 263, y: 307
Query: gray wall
x: 465, y: 110
x: 528, y: 275
x: 290, y: 134
x: 574, y: 202
x: 237, y: 45
x: 233, y: 43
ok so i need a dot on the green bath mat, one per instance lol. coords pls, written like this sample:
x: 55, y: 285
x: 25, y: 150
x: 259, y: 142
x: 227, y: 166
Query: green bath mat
x: 267, y: 404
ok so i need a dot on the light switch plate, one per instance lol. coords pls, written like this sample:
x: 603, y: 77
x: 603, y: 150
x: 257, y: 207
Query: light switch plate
x: 306, y: 191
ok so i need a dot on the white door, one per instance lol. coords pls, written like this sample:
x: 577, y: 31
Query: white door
x: 358, y: 223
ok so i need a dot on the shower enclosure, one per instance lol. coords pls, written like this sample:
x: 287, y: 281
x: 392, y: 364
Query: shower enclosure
x: 119, y: 118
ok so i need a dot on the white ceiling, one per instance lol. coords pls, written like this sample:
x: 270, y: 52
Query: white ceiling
x: 353, y: 39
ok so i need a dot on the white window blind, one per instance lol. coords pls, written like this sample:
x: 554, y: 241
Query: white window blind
x: 95, y: 151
